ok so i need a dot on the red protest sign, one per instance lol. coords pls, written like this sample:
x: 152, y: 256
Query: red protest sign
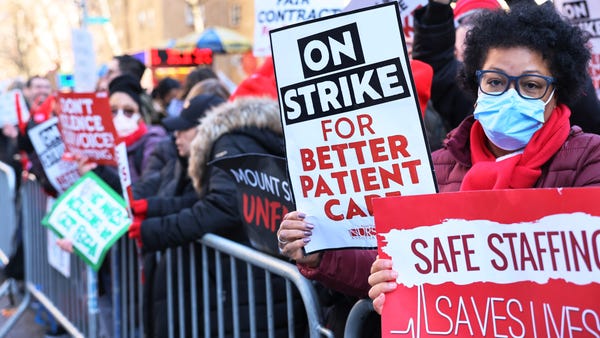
x: 511, y: 263
x: 86, y: 126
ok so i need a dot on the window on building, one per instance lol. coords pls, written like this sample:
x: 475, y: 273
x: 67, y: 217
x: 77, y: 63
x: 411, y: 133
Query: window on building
x: 236, y: 15
x: 188, y: 15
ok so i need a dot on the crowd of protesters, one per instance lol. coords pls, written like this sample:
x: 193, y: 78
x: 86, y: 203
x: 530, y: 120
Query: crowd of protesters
x: 459, y: 53
x: 522, y: 114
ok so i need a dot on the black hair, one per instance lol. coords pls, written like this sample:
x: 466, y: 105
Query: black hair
x: 209, y: 86
x: 130, y: 65
x: 538, y: 28
x: 164, y: 86
x: 199, y: 74
x: 33, y: 77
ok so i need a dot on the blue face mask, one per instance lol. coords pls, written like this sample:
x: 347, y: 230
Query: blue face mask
x: 508, y: 120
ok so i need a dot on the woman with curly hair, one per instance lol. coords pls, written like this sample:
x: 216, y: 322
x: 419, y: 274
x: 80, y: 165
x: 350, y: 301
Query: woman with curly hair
x: 439, y: 41
x: 524, y: 66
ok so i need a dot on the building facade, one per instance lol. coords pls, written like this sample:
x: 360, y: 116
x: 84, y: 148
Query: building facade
x: 139, y: 25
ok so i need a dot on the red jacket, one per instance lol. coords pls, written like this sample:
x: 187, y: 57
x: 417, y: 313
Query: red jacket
x: 576, y: 164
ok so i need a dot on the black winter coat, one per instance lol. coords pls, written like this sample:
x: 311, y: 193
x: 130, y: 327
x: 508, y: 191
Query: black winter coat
x: 243, y: 126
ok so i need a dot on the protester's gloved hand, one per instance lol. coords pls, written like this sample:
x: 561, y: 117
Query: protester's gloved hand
x: 139, y: 207
x: 135, y: 230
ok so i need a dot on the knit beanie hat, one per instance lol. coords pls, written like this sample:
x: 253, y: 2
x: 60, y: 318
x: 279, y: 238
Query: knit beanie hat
x: 261, y: 83
x: 423, y: 76
x: 464, y: 8
x: 127, y: 84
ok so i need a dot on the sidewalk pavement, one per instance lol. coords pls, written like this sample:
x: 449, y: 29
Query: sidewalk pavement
x: 26, y: 326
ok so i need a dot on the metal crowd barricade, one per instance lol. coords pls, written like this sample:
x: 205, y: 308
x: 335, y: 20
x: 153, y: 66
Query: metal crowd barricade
x: 127, y: 289
x: 357, y: 318
x: 74, y: 302
x: 9, y: 222
x: 71, y: 301
x: 182, y: 286
x: 7, y: 210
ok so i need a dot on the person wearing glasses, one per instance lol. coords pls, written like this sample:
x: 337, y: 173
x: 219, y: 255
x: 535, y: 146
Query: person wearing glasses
x: 439, y: 41
x: 524, y: 66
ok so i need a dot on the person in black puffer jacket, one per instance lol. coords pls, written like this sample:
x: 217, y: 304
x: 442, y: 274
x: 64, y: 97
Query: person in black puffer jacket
x: 245, y: 125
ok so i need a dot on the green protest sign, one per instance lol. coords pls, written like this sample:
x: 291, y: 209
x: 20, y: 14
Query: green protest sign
x: 91, y: 215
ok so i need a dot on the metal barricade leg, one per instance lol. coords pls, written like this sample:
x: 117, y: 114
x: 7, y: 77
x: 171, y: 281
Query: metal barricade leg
x: 228, y: 278
x: 8, y: 325
x: 357, y: 318
x: 72, y: 301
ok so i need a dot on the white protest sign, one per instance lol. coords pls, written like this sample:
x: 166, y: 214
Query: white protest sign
x: 407, y: 7
x: 50, y: 147
x: 10, y: 102
x: 352, y: 126
x: 586, y: 15
x: 57, y: 257
x: 124, y: 174
x: 90, y: 214
x: 271, y: 14
x: 85, y: 61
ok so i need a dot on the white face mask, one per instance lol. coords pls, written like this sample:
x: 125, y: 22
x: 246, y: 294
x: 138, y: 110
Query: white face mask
x: 124, y: 125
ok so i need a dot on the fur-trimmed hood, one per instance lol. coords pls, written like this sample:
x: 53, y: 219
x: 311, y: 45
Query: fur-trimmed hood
x: 242, y: 113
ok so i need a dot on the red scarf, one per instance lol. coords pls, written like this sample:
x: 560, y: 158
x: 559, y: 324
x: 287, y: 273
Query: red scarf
x: 136, y: 135
x: 521, y: 170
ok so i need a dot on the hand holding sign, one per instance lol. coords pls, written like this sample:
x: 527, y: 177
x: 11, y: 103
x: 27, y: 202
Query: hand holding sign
x: 91, y: 216
x: 84, y: 164
x: 293, y: 235
x: 493, y: 256
x: 382, y: 281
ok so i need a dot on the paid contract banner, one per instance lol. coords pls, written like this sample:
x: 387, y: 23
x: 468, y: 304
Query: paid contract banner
x: 272, y: 14
x: 586, y: 15
x: 505, y: 263
x: 351, y: 120
x: 264, y: 195
x: 86, y: 126
x: 92, y: 216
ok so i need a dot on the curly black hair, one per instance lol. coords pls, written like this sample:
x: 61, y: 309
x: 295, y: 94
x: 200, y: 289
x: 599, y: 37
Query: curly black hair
x: 538, y: 28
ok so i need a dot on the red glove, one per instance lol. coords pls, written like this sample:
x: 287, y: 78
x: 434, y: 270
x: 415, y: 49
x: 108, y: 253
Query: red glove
x: 135, y: 229
x: 139, y: 207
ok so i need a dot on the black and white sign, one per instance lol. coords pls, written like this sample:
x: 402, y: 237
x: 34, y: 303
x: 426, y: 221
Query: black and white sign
x: 351, y: 120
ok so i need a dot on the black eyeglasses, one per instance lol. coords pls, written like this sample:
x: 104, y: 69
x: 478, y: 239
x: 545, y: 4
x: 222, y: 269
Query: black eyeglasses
x: 528, y: 86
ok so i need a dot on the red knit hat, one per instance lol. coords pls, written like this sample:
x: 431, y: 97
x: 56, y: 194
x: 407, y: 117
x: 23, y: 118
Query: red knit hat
x: 423, y: 76
x: 463, y: 7
x: 261, y: 83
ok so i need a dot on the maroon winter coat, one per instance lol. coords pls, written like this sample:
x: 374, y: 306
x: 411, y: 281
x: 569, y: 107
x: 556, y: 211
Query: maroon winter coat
x: 576, y: 164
